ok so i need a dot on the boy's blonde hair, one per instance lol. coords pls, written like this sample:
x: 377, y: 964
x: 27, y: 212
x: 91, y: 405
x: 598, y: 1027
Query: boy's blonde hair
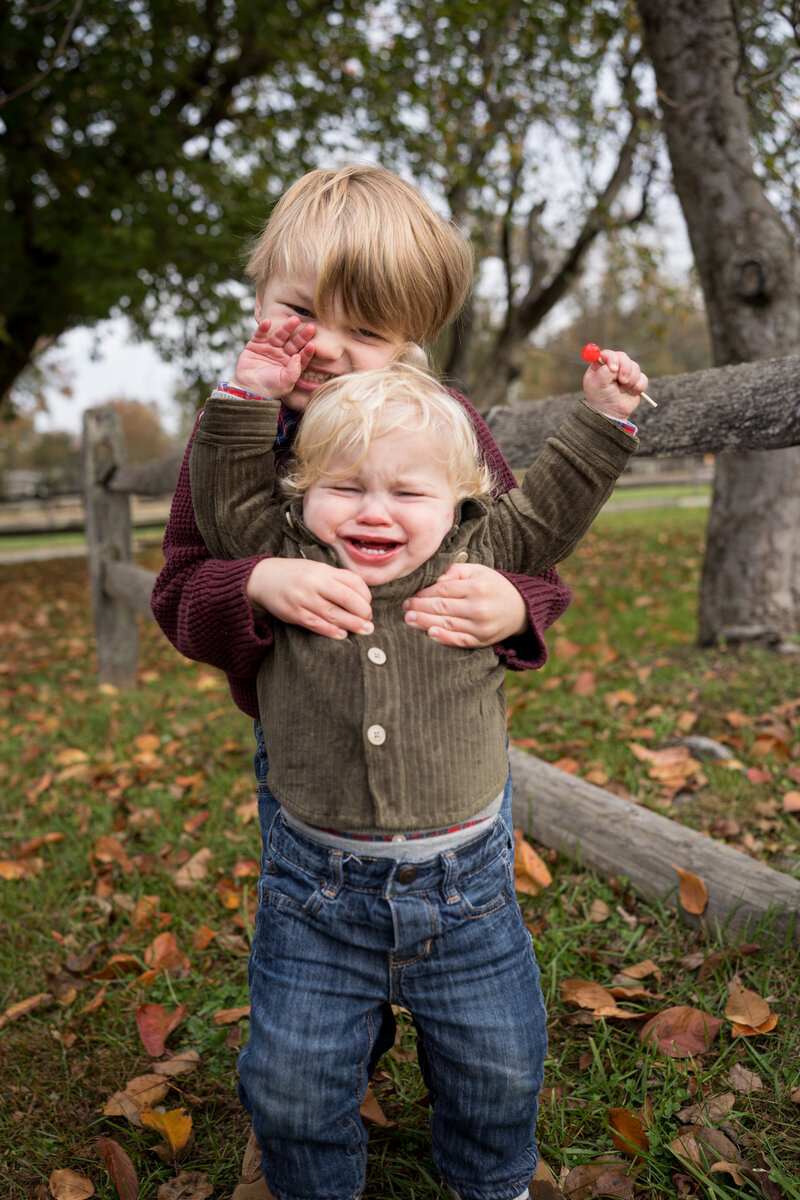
x: 347, y: 414
x: 374, y: 245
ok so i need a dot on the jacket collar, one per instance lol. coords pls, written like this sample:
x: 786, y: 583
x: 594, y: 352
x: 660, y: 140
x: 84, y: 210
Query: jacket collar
x: 470, y: 513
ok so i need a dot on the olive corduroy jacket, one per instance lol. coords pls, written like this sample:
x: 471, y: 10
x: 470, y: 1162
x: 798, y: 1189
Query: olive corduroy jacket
x: 391, y: 731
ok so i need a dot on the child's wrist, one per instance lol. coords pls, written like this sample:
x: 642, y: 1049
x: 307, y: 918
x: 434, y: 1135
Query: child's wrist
x: 234, y: 387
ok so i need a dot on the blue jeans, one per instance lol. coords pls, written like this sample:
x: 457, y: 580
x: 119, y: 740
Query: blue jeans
x: 336, y: 939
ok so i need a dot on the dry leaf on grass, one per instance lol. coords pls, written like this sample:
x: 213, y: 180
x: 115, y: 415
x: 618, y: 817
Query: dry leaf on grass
x: 69, y: 1185
x: 164, y: 954
x: 189, y: 1185
x: 155, y: 1025
x: 742, y: 1080
x: 227, y: 1016
x: 627, y: 1133
x: 139, y: 1091
x: 182, y: 1064
x: 745, y: 1007
x: 599, y: 1179
x: 693, y: 892
x: 22, y: 1007
x: 710, y: 1111
x: 749, y: 1013
x: 119, y: 1167
x: 372, y: 1111
x: 531, y: 874
x: 598, y: 1000
x: 642, y: 969
x: 193, y: 871
x: 175, y: 1125
x: 681, y: 1031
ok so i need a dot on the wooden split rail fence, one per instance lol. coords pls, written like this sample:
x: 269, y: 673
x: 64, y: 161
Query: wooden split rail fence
x: 753, y: 406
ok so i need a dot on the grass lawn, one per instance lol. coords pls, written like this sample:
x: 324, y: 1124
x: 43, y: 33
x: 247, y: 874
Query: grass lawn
x: 128, y: 867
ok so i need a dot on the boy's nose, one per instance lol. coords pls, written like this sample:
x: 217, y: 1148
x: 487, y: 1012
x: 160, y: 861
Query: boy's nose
x: 329, y: 344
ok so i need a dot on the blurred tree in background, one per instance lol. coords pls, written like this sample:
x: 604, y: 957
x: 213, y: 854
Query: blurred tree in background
x: 141, y: 144
x: 729, y: 87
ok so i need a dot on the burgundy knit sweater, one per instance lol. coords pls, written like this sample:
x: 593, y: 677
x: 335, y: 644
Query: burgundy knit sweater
x: 201, y: 603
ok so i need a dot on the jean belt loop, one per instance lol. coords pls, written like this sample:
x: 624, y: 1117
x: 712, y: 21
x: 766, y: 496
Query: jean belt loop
x: 334, y: 882
x: 449, y: 863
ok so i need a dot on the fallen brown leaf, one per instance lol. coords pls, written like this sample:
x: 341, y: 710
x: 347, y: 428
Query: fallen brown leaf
x: 164, y: 954
x: 642, y: 969
x: 139, y: 1091
x: 175, y: 1125
x: 531, y: 873
x: 627, y: 1133
x: 372, y: 1111
x: 189, y: 1185
x: 745, y: 1007
x: 193, y: 871
x: 709, y: 1111
x: 155, y: 1025
x: 599, y: 1179
x: 119, y: 1167
x: 22, y: 1007
x: 182, y: 1064
x: 681, y: 1031
x: 69, y: 1185
x: 743, y: 1080
x: 693, y: 892
x: 753, y: 1030
x: 227, y: 1016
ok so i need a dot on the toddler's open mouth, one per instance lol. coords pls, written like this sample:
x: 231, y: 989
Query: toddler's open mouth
x: 372, y: 548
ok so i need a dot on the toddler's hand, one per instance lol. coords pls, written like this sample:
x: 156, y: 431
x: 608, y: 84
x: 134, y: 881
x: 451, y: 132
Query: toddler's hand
x: 318, y: 596
x: 614, y: 385
x: 470, y: 605
x: 273, y: 361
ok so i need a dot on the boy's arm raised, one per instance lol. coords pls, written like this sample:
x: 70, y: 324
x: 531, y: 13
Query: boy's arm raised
x: 232, y: 474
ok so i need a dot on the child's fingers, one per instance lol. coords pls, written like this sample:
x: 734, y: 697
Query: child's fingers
x: 284, y: 332
x: 625, y: 371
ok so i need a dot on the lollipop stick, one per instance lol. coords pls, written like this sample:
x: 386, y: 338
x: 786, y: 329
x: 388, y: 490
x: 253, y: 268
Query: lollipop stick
x: 649, y: 399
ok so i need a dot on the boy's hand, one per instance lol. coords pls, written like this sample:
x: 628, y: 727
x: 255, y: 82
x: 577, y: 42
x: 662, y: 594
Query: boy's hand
x: 615, y: 385
x: 273, y: 361
x: 470, y: 605
x: 322, y: 598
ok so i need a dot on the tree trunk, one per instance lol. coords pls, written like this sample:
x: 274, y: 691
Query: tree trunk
x: 750, y: 274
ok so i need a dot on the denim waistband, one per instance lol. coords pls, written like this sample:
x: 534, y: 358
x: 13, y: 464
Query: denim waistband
x: 361, y: 871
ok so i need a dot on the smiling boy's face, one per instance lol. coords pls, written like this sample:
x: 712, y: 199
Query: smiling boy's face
x: 340, y: 347
x: 390, y: 514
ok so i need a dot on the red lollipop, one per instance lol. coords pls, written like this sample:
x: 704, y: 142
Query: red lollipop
x: 592, y: 353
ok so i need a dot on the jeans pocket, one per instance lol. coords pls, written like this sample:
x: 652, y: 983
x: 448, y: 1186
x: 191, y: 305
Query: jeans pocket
x: 287, y: 886
x: 485, y: 891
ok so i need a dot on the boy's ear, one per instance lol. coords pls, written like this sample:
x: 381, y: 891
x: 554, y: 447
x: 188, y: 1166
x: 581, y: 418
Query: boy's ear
x: 258, y: 310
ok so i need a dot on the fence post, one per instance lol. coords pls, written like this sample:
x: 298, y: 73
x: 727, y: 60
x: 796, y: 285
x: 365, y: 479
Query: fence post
x: 109, y: 540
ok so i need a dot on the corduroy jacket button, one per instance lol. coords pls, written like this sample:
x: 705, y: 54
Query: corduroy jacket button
x: 376, y: 655
x: 376, y: 734
x: 407, y: 874
x: 462, y: 556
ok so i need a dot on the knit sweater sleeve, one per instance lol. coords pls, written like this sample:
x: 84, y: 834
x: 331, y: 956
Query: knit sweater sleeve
x: 546, y: 596
x: 201, y: 603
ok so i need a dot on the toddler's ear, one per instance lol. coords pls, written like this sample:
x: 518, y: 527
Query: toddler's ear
x: 258, y: 310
